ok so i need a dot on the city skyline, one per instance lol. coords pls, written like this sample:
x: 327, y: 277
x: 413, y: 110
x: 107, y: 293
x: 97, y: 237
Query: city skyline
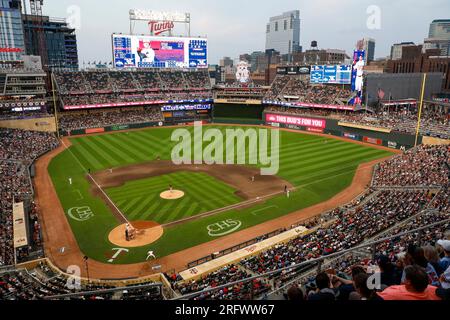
x: 229, y: 33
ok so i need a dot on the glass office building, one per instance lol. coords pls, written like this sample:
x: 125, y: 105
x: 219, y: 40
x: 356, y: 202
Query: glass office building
x: 283, y: 33
x: 12, y: 44
x: 60, y: 42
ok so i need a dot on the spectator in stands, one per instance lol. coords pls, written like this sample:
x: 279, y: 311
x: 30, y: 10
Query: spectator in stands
x: 346, y: 286
x: 363, y: 292
x: 415, y: 287
x: 295, y: 293
x: 389, y: 273
x: 432, y: 256
x: 417, y: 256
x: 444, y: 263
x: 323, y: 291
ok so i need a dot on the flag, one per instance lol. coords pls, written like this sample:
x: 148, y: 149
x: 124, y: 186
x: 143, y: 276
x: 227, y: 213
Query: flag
x: 380, y: 94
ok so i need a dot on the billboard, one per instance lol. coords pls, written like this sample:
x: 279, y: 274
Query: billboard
x: 357, y: 76
x: 159, y: 52
x: 331, y: 74
x: 298, y: 121
x: 358, y: 69
x: 293, y: 70
x: 178, y: 107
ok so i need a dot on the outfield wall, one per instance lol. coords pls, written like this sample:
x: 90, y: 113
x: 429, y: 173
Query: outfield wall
x: 251, y: 115
x: 370, y: 135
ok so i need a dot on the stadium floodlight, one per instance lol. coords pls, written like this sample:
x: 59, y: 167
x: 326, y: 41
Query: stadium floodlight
x: 139, y: 14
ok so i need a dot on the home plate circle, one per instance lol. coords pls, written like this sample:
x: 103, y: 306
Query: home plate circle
x: 145, y: 232
x: 172, y: 194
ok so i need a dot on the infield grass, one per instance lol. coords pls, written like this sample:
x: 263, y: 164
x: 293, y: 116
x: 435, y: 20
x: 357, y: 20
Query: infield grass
x: 319, y: 167
x: 140, y: 199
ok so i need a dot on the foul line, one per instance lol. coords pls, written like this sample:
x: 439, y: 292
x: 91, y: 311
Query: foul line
x: 95, y: 182
x: 262, y: 209
x: 261, y: 198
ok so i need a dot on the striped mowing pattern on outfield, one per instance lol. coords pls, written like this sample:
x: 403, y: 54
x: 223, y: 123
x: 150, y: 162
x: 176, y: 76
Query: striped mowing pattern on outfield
x: 140, y: 200
x: 307, y: 161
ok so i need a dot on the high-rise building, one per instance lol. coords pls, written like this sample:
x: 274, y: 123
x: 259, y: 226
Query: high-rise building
x: 439, y: 36
x: 369, y: 47
x: 324, y: 56
x: 397, y: 49
x: 226, y: 62
x: 255, y: 59
x: 283, y: 33
x: 440, y: 29
x: 59, y: 40
x: 12, y: 44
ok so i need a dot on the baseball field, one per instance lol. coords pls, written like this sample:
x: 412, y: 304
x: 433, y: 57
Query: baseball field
x: 129, y: 171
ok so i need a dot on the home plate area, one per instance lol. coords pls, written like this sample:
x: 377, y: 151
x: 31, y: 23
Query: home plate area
x: 145, y: 232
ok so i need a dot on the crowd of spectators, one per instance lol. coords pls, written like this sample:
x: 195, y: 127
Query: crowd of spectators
x: 376, y: 214
x: 227, y: 274
x: 299, y: 89
x: 42, y: 282
x: 420, y: 166
x: 400, y: 262
x: 84, y: 88
x: 350, y: 228
x: 18, y: 149
x: 433, y: 123
x: 99, y: 119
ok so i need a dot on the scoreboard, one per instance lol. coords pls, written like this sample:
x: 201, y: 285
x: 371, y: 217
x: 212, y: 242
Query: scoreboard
x: 159, y: 52
x: 331, y: 74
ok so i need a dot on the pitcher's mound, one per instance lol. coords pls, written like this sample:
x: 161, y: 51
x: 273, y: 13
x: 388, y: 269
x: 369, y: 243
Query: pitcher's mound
x: 172, y: 195
x: 146, y: 232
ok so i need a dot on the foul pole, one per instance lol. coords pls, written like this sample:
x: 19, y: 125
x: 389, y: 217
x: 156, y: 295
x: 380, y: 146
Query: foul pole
x: 420, y: 108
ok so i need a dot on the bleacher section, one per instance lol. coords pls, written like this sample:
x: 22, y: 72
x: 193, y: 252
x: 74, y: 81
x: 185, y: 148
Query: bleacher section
x: 119, y: 88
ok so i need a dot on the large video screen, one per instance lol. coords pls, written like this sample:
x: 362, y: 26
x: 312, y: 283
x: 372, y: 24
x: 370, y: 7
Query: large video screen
x: 335, y: 74
x: 159, y: 52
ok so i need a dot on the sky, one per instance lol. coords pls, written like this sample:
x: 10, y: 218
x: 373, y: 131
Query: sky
x: 234, y: 27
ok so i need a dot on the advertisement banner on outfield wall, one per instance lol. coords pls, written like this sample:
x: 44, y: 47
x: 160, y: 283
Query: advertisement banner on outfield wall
x: 392, y: 144
x: 299, y: 121
x: 350, y: 136
x: 373, y: 140
x: 95, y: 130
x: 316, y: 130
x: 119, y: 127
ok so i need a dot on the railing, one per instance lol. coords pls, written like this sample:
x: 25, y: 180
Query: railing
x: 316, y: 261
x: 103, y: 291
x: 233, y: 249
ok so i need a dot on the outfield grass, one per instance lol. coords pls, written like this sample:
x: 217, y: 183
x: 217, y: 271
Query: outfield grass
x: 140, y: 200
x: 319, y: 167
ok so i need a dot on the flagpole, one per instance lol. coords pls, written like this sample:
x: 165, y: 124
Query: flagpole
x: 420, y: 108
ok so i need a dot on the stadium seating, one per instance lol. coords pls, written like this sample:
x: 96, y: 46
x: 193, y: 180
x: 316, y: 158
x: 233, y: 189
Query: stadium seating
x: 42, y: 281
x: 298, y: 89
x: 18, y: 149
x: 96, y: 118
x: 97, y: 87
